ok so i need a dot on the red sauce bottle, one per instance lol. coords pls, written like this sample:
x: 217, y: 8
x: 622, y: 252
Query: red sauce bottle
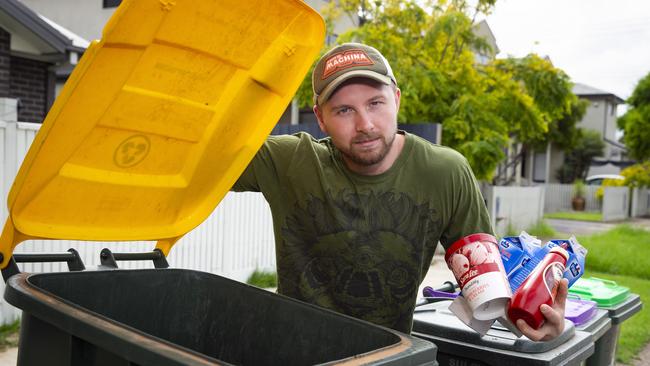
x: 539, y: 288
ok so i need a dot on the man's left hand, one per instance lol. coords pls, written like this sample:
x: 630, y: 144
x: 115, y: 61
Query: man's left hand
x: 554, y: 324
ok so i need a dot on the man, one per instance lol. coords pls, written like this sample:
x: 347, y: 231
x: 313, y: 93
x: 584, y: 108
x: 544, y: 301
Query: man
x: 357, y: 216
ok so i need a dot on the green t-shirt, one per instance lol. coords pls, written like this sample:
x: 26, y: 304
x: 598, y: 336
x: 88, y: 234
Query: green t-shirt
x: 356, y: 244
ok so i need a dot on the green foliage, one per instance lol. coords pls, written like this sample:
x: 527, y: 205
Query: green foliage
x: 637, y: 175
x: 575, y: 215
x: 641, y: 93
x: 511, y: 230
x: 635, y: 123
x: 542, y: 230
x: 612, y: 251
x: 600, y: 192
x: 9, y: 335
x: 482, y: 108
x: 579, y: 188
x: 588, y: 145
x: 263, y: 279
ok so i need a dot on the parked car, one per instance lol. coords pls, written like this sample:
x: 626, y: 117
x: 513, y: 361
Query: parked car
x: 597, y: 179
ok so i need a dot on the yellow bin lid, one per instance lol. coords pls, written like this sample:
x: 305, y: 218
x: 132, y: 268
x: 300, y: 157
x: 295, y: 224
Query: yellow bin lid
x: 160, y: 118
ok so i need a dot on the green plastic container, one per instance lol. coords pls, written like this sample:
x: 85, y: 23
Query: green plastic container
x: 620, y: 305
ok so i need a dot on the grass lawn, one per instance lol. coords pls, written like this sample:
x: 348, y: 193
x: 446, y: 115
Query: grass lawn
x: 263, y: 279
x: 623, y: 250
x: 575, y: 215
x: 543, y: 230
x: 9, y: 335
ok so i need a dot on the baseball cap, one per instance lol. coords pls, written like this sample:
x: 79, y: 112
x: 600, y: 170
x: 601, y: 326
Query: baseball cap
x: 346, y: 61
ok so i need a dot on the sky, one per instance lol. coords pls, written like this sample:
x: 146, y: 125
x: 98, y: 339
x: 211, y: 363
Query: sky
x: 601, y: 43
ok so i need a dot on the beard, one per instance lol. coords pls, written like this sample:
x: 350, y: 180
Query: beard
x: 365, y: 157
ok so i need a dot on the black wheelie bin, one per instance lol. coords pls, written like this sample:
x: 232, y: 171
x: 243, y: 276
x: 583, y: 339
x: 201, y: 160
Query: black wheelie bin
x: 153, y: 127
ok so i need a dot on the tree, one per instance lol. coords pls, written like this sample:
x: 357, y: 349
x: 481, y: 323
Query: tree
x: 635, y: 123
x: 481, y: 108
x: 577, y: 160
x: 637, y: 175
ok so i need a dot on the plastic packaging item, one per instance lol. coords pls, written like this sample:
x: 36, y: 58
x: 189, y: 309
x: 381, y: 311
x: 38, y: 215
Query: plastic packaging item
x: 430, y: 292
x: 579, y: 311
x: 576, y: 263
x: 539, y: 288
x: 476, y: 264
x: 530, y: 256
x: 516, y: 251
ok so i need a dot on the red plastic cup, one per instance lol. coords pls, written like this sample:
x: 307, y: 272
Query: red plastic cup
x: 476, y: 264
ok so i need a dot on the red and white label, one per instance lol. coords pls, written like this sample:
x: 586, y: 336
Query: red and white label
x: 344, y: 60
x: 473, y: 259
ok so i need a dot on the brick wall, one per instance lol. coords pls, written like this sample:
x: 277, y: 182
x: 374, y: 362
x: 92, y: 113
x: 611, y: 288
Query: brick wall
x: 5, y: 42
x: 28, y: 83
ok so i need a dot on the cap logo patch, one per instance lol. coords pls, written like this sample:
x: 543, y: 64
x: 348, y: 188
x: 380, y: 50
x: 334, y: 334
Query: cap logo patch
x: 343, y: 60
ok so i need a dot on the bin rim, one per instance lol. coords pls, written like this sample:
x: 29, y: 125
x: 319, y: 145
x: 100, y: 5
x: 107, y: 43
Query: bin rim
x: 117, y: 333
x: 42, y: 300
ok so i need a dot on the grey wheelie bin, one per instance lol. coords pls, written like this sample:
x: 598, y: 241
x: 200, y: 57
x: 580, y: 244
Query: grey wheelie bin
x: 460, y: 345
x: 586, y: 317
x: 619, y: 304
x: 157, y: 121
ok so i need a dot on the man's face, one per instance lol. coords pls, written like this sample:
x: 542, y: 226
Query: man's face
x: 361, y: 119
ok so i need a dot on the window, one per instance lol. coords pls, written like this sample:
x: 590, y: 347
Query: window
x: 111, y: 3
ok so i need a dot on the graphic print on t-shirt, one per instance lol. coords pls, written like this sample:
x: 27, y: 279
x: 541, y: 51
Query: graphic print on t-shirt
x: 360, y: 254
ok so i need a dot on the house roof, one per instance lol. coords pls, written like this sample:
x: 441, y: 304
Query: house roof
x: 482, y: 29
x: 19, y: 18
x: 583, y: 90
x: 77, y: 40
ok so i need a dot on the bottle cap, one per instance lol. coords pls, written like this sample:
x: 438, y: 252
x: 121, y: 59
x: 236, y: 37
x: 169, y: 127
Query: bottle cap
x: 560, y: 251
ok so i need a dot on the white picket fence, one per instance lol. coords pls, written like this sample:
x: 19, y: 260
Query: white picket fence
x: 618, y: 203
x: 558, y: 198
x: 233, y: 241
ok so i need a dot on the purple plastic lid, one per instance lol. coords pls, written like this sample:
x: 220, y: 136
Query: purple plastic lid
x: 430, y: 292
x: 580, y: 311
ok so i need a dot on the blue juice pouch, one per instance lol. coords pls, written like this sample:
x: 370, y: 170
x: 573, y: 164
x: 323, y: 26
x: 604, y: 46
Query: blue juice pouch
x: 512, y: 253
x: 575, y: 265
x: 516, y: 251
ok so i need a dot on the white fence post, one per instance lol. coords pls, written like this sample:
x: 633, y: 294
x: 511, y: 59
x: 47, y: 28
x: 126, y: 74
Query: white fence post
x: 616, y: 203
x: 640, y: 202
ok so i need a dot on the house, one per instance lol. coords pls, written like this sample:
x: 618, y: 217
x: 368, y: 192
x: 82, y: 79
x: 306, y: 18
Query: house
x: 541, y: 166
x: 601, y: 116
x: 36, y: 56
x: 483, y: 30
x: 85, y: 18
